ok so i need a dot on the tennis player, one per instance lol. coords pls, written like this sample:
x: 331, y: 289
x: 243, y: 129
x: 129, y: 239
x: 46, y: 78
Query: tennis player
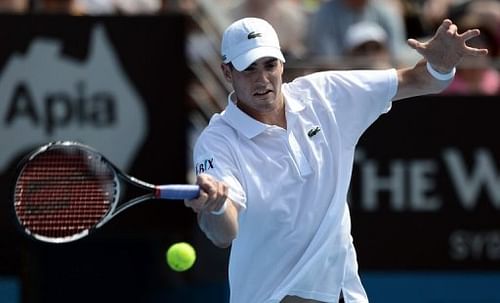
x: 275, y: 165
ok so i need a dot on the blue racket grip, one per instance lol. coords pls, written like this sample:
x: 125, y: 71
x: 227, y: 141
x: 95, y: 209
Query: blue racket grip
x: 177, y: 191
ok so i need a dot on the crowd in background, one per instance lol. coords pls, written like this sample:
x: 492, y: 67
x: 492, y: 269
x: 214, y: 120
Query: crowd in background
x: 317, y: 34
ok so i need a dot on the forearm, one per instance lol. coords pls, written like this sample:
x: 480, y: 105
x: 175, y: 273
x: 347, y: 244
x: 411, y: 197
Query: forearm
x: 220, y: 229
x: 418, y: 81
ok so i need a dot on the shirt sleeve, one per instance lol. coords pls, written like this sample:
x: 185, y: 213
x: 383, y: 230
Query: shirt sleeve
x: 213, y: 155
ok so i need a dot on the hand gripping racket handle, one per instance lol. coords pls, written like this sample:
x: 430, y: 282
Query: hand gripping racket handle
x: 177, y: 191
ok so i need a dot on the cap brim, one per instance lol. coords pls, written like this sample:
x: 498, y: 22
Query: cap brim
x: 243, y: 61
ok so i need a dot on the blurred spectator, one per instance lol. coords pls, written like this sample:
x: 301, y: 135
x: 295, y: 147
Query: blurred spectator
x: 14, y: 6
x: 70, y: 7
x: 412, y: 15
x: 135, y: 7
x: 488, y: 11
x: 330, y: 23
x: 122, y: 7
x: 288, y: 17
x: 366, y: 46
x: 434, y: 11
x: 98, y: 7
x: 311, y: 6
x: 179, y: 6
x: 478, y: 75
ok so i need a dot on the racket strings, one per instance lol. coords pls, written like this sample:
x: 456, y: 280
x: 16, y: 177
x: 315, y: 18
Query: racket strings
x: 61, y: 193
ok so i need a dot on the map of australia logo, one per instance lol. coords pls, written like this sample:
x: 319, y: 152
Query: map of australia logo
x: 47, y: 96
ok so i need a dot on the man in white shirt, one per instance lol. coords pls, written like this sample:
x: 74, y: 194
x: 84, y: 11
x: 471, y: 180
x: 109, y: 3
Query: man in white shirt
x: 274, y: 167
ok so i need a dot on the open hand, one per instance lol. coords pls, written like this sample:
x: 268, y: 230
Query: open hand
x: 447, y: 47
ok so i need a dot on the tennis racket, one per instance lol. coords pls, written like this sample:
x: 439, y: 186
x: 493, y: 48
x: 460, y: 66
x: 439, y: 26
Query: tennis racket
x: 65, y: 190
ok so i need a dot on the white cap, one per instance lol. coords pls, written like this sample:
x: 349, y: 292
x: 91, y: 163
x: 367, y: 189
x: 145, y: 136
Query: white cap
x: 363, y: 32
x: 248, y: 40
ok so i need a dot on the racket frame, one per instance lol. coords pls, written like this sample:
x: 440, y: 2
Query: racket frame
x: 120, y: 178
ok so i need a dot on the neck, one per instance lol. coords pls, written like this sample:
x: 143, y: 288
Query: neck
x: 275, y: 116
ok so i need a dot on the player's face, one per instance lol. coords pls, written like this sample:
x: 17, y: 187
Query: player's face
x: 258, y: 88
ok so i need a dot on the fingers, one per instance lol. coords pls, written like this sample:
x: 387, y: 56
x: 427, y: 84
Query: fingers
x: 452, y: 29
x: 469, y: 34
x: 212, y: 196
x: 447, y: 28
x: 414, y: 44
x: 197, y: 204
x: 471, y: 51
x: 217, y: 195
x: 447, y: 22
x: 444, y: 27
x: 476, y: 51
x: 448, y: 47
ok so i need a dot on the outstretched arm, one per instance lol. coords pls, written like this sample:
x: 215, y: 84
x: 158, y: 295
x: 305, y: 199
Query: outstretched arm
x: 441, y: 54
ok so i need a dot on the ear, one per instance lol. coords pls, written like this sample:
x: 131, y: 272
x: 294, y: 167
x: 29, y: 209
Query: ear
x: 226, y: 71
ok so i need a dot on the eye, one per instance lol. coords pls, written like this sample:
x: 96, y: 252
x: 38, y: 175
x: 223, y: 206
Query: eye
x: 272, y: 64
x: 250, y: 68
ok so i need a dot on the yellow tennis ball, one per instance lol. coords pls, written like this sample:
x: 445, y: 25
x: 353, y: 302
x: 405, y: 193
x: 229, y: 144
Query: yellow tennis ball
x: 181, y: 256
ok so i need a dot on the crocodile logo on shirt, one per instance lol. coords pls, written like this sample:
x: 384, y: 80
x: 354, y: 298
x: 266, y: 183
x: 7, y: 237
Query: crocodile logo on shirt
x: 313, y: 131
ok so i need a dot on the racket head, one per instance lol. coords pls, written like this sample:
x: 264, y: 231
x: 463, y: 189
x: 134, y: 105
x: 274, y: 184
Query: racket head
x: 63, y: 191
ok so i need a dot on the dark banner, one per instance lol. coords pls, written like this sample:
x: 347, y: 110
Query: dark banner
x: 117, y: 84
x: 114, y: 83
x: 426, y: 187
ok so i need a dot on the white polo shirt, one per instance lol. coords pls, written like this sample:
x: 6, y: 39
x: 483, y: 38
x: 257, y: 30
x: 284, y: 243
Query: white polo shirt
x: 291, y: 184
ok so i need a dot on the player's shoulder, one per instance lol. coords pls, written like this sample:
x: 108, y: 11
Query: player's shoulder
x: 218, y: 138
x: 316, y: 81
x: 311, y: 78
x: 322, y: 79
x: 218, y: 129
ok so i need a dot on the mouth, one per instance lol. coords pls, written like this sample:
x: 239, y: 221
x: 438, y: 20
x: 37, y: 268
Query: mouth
x: 261, y: 93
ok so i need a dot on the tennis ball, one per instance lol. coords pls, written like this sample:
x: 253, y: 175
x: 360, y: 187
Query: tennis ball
x: 181, y: 256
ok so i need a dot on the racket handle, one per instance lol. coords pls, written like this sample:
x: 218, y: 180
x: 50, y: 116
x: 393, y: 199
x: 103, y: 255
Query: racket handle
x: 177, y: 191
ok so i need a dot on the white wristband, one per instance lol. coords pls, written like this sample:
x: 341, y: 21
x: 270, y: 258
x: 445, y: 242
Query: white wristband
x: 439, y: 76
x: 221, y: 210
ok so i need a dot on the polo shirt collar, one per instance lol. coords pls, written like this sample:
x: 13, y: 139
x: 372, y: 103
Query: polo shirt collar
x: 247, y: 125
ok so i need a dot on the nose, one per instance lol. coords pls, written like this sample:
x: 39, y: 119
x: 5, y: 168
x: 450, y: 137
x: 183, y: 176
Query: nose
x: 261, y: 76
